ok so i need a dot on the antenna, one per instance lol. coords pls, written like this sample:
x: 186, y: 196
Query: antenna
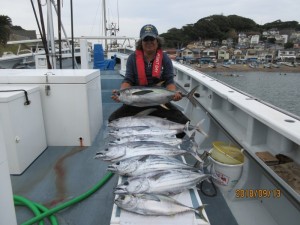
x: 112, y: 27
x: 118, y: 15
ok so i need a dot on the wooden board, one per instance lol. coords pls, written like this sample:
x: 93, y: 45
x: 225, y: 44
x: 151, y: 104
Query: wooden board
x: 267, y: 158
x: 290, y: 173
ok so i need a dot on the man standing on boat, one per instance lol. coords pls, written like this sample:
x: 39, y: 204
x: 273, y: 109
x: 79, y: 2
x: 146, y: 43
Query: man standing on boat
x: 148, y: 66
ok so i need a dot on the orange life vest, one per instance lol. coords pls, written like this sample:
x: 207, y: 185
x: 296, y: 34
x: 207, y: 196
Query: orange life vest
x: 156, y: 67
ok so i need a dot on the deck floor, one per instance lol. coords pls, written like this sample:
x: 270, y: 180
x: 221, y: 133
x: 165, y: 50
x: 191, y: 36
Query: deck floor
x: 62, y: 173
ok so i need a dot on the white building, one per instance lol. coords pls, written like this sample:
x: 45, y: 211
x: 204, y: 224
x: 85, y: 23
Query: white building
x: 287, y: 55
x: 254, y: 39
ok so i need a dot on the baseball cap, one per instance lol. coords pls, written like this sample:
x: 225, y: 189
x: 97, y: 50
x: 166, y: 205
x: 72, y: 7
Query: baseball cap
x: 148, y: 30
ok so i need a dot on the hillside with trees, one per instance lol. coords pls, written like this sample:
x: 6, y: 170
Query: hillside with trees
x: 219, y: 27
x: 216, y: 27
x: 5, y: 26
x: 9, y: 32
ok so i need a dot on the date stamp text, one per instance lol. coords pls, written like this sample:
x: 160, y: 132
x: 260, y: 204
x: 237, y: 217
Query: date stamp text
x: 257, y: 193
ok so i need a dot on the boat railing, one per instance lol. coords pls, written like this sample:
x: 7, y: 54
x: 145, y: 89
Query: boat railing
x: 24, y: 51
x: 255, y: 125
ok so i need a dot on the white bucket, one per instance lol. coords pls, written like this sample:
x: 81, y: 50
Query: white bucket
x: 228, y: 175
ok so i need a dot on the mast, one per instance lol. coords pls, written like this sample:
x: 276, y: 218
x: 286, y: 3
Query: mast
x: 113, y: 28
x: 72, y: 35
x: 104, y: 22
x: 42, y: 31
x: 59, y: 33
x: 50, y: 35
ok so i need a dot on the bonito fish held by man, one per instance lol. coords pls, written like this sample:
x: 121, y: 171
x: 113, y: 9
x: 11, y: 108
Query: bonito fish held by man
x: 138, y: 166
x: 150, y: 96
x: 155, y: 205
x: 162, y: 182
x: 127, y: 150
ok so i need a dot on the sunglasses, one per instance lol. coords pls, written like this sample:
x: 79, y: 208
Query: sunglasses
x: 148, y: 38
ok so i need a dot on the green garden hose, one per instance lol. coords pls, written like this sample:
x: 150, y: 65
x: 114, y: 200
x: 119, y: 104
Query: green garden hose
x: 37, y: 208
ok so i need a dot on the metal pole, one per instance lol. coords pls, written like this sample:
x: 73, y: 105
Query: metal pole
x: 72, y: 35
x: 36, y: 18
x: 104, y: 23
x: 43, y: 35
x: 66, y: 38
x: 50, y: 29
x: 59, y: 33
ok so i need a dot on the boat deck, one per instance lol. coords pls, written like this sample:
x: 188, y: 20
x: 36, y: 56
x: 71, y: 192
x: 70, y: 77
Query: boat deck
x: 60, y: 174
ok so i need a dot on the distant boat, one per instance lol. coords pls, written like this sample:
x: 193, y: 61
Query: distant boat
x: 226, y: 65
x: 212, y: 65
x: 288, y: 64
x: 267, y: 65
x: 29, y: 59
x: 10, y: 60
x: 253, y: 65
x: 275, y: 65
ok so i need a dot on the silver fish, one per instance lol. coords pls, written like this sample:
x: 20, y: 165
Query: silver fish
x: 144, y: 130
x: 150, y: 121
x: 162, y: 182
x: 138, y: 166
x: 154, y: 131
x: 154, y: 121
x: 149, y: 96
x: 117, y: 153
x: 155, y: 205
x: 166, y: 139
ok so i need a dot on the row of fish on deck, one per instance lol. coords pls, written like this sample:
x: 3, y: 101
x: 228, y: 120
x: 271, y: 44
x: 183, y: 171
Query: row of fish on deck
x: 144, y: 150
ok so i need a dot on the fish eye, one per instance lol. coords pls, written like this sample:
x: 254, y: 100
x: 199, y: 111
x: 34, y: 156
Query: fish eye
x: 126, y: 183
x: 118, y: 139
x: 122, y: 197
x: 118, y: 163
x: 106, y: 149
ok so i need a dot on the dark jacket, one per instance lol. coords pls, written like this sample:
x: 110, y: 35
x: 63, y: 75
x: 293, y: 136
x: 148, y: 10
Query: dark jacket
x: 167, y: 72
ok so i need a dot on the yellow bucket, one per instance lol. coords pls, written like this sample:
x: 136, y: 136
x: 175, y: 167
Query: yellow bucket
x: 226, y: 154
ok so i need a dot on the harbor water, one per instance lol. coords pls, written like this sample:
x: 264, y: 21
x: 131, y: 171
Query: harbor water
x: 278, y: 88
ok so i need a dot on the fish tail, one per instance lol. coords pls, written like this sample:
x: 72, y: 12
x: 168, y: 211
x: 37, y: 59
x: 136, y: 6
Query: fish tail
x: 199, y: 128
x: 146, y: 112
x: 199, y: 212
x: 195, y: 153
x: 186, y: 129
x: 190, y: 139
x: 190, y: 96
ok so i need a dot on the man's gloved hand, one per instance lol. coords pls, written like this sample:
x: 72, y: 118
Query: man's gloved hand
x: 177, y: 96
x: 115, y: 96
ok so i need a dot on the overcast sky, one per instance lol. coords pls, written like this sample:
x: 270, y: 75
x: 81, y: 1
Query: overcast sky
x: 164, y: 14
